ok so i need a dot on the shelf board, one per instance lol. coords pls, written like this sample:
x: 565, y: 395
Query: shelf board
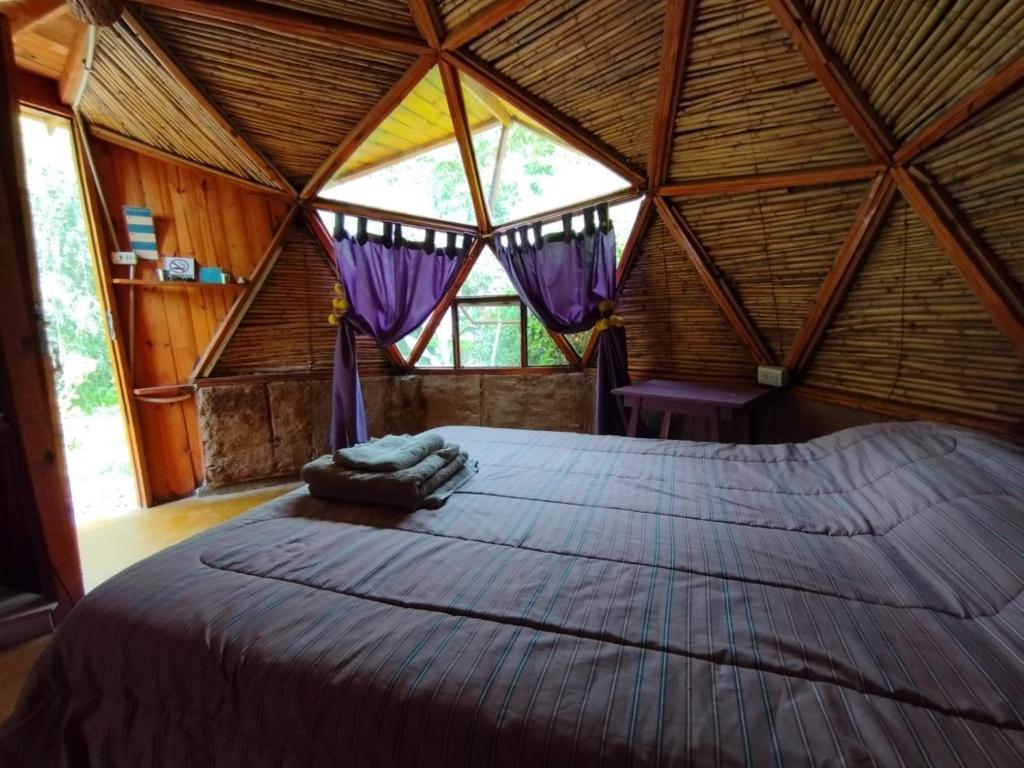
x: 174, y: 283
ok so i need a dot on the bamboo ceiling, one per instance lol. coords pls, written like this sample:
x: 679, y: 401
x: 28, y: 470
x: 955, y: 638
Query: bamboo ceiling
x: 796, y: 154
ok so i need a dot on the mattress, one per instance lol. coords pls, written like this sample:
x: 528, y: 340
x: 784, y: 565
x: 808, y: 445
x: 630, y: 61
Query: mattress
x: 582, y: 601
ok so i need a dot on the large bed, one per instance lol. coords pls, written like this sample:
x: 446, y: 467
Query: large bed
x: 583, y: 601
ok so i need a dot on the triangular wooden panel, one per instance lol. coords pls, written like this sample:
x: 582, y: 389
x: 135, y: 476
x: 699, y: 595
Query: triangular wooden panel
x: 295, y: 99
x: 750, y: 104
x: 913, y: 59
x: 286, y: 329
x: 912, y: 332
x: 596, y: 60
x: 388, y: 15
x: 775, y: 248
x: 131, y: 94
x: 674, y: 328
x: 982, y: 168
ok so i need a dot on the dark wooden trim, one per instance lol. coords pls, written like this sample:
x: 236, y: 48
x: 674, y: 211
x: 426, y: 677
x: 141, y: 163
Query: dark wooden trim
x: 904, y: 410
x: 158, y: 154
x: 428, y: 21
x: 464, y: 137
x: 28, y: 373
x: 769, y: 181
x: 833, y: 291
x: 837, y: 80
x: 482, y: 20
x: 988, y: 92
x: 408, y: 219
x: 675, y: 56
x: 226, y: 330
x: 368, y: 124
x: 40, y: 93
x: 271, y: 18
x: 613, y: 198
x: 446, y: 302
x: 563, y: 127
x: 986, y: 276
x: 521, y: 371
x: 728, y: 304
x: 185, y: 82
x: 262, y: 378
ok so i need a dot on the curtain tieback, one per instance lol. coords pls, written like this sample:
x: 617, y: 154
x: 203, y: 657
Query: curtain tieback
x: 339, y: 306
x: 608, y: 317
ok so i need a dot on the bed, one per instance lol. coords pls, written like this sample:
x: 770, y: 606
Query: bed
x: 587, y: 601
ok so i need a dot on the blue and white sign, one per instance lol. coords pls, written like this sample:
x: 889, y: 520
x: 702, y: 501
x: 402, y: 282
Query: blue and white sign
x: 141, y: 232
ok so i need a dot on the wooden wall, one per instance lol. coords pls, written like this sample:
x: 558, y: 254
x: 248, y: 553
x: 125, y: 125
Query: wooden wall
x: 220, y: 224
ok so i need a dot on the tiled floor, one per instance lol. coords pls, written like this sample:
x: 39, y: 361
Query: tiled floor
x: 109, y: 547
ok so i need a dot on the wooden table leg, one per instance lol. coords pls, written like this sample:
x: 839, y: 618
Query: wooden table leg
x: 666, y: 425
x: 634, y: 416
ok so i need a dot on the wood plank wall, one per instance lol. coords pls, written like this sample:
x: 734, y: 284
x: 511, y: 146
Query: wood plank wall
x: 220, y: 224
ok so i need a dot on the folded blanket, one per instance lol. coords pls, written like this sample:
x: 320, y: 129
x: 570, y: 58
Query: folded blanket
x: 427, y: 484
x: 389, y: 453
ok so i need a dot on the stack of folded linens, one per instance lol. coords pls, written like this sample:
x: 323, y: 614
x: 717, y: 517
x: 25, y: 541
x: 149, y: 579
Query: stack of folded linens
x: 404, y: 471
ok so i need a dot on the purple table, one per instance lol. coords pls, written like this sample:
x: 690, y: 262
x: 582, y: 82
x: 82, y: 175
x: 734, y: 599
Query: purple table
x: 715, y: 402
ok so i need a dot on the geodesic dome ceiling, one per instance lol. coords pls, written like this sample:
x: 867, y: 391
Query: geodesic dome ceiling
x: 828, y: 185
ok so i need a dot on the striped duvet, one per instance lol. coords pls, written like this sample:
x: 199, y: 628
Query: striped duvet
x: 583, y: 601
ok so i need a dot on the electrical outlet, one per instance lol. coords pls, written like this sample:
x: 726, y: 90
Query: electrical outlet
x: 772, y: 375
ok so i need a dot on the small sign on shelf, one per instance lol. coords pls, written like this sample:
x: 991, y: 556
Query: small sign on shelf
x: 124, y: 258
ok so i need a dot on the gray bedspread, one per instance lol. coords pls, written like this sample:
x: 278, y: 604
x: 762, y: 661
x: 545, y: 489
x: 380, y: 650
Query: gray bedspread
x: 582, y: 601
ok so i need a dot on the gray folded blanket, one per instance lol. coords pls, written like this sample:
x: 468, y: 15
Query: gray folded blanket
x: 389, y: 453
x: 428, y: 484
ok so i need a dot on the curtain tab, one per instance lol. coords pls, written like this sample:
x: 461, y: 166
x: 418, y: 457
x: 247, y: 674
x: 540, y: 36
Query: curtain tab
x: 588, y: 220
x: 603, y: 215
x: 450, y: 244
x: 567, y: 226
x: 389, y: 234
x: 361, y: 235
x: 538, y: 234
x: 339, y: 227
x: 398, y: 236
x: 428, y: 241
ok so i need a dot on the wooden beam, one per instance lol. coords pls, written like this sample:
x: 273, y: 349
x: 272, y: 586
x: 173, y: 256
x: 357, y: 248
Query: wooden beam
x: 986, y: 276
x: 482, y: 20
x: 675, y: 54
x: 728, y: 304
x: 837, y: 80
x: 78, y: 66
x: 764, y: 182
x: 40, y: 93
x: 27, y: 371
x: 629, y: 252
x: 464, y: 137
x: 428, y: 22
x: 499, y: 163
x: 30, y: 13
x: 612, y: 198
x: 990, y: 90
x: 185, y: 82
x: 837, y: 283
x: 570, y: 132
x: 285, y: 21
x: 119, y: 353
x: 158, y: 154
x: 446, y: 302
x: 226, y: 330
x: 371, y: 120
x: 408, y: 219
x: 319, y: 230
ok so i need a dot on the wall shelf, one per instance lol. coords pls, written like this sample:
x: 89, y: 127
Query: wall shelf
x: 174, y: 284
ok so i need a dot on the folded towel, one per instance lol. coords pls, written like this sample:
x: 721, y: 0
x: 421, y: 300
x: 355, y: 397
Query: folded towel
x: 404, y: 488
x: 389, y: 453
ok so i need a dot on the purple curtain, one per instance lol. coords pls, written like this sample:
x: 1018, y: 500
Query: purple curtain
x: 392, y: 287
x: 568, y: 281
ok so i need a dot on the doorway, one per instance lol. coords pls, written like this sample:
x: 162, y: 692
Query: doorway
x: 95, y: 440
